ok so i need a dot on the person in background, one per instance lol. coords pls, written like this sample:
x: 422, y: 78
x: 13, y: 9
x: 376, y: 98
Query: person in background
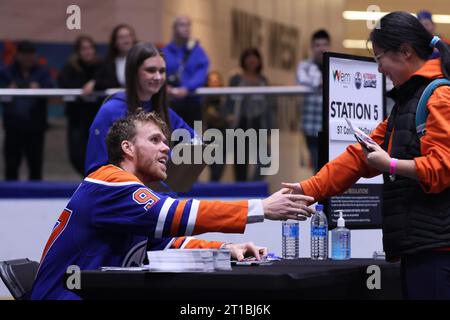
x: 215, y: 117
x: 79, y: 72
x: 426, y: 18
x: 309, y: 73
x: 249, y: 111
x: 145, y: 88
x: 25, y: 118
x: 415, y: 166
x: 112, y: 74
x: 112, y: 216
x: 187, y: 70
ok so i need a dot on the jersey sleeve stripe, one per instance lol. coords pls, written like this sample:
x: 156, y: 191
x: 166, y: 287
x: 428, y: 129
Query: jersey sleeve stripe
x: 186, y: 242
x: 170, y: 243
x: 169, y: 219
x: 177, y: 218
x: 61, y: 225
x: 162, y: 217
x: 184, y: 218
x: 192, y: 217
x: 178, y: 242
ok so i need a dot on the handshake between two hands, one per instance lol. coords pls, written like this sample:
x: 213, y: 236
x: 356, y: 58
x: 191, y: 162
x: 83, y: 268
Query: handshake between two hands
x: 288, y: 203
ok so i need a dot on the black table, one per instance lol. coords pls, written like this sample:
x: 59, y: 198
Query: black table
x: 287, y: 279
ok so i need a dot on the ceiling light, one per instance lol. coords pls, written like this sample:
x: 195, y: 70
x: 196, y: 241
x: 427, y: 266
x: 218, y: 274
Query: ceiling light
x: 373, y: 15
x: 356, y: 44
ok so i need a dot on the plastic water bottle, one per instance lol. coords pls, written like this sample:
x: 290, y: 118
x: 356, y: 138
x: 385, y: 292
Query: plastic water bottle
x: 319, y: 234
x: 290, y: 236
x: 340, y: 240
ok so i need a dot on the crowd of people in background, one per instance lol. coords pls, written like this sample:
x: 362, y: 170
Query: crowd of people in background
x: 24, y: 118
x: 186, y: 68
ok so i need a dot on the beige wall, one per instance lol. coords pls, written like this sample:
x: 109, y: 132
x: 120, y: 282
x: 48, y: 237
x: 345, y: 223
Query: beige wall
x: 358, y: 29
x: 45, y: 20
x: 212, y: 25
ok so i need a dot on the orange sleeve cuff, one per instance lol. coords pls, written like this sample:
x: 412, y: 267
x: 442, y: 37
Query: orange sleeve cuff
x: 309, y: 190
x: 220, y: 216
x: 203, y: 244
x: 421, y: 174
x: 193, y: 243
x: 341, y: 173
x: 338, y: 175
x: 432, y: 174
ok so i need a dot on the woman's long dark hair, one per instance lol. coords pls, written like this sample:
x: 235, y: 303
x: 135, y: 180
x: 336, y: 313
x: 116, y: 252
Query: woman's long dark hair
x: 75, y: 58
x: 79, y: 41
x: 137, y: 55
x: 398, y: 28
x: 112, y: 49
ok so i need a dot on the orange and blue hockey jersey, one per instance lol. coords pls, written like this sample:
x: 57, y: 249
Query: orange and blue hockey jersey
x: 111, y: 217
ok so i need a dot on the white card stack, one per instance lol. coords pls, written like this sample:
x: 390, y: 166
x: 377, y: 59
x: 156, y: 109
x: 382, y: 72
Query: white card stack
x: 189, y: 260
x: 222, y: 259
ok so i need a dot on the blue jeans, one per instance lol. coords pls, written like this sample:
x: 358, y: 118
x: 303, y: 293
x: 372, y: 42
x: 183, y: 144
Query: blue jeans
x: 426, y: 276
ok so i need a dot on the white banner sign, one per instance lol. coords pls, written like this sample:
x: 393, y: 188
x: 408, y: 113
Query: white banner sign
x: 356, y: 93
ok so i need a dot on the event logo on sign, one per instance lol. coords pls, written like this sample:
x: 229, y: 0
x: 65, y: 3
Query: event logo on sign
x: 358, y: 80
x: 370, y: 80
x: 341, y: 77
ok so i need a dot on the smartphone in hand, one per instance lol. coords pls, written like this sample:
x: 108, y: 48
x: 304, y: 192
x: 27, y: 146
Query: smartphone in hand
x: 362, y: 143
x: 360, y: 136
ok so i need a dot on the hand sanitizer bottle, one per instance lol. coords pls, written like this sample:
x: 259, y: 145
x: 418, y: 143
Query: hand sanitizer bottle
x: 340, y: 240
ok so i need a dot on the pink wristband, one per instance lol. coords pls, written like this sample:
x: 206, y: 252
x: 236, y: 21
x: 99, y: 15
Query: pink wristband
x: 393, y: 166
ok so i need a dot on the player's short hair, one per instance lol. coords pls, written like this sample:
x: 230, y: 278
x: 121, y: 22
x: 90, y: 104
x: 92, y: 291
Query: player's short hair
x: 125, y: 129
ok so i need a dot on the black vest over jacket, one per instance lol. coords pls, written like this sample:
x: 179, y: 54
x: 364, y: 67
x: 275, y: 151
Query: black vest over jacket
x: 413, y: 220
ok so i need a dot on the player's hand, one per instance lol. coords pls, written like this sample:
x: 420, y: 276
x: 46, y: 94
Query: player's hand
x: 241, y: 250
x: 376, y: 157
x: 296, y: 188
x: 284, y: 205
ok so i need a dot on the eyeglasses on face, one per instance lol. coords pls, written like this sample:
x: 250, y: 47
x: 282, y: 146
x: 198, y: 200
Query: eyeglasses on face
x: 378, y: 56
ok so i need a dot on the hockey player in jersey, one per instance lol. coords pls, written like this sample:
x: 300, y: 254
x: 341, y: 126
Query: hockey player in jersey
x: 112, y: 214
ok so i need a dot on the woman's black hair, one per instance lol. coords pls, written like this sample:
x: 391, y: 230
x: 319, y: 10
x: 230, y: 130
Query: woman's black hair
x: 112, y: 48
x: 136, y: 56
x: 251, y: 52
x: 398, y: 28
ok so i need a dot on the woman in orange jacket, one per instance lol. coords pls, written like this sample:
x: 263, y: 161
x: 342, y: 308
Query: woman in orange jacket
x: 416, y: 169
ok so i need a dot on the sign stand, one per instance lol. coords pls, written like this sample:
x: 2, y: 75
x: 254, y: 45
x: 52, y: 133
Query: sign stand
x: 353, y: 89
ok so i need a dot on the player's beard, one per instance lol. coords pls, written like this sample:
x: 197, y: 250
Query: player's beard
x: 149, y: 169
